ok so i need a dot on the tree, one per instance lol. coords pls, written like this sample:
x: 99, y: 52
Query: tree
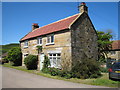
x: 15, y: 56
x: 104, y: 45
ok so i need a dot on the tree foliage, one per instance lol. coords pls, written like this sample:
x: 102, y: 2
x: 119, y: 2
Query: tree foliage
x: 15, y: 56
x: 104, y: 44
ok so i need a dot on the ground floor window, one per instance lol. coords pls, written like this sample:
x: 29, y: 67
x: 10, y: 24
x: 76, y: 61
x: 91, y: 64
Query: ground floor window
x: 55, y: 60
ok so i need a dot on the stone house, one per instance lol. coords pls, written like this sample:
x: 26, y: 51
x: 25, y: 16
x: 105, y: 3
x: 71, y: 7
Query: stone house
x: 114, y: 53
x: 65, y: 42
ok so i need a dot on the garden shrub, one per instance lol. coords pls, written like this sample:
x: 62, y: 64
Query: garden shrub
x: 46, y: 70
x: 15, y: 56
x: 31, y: 62
x: 2, y: 62
x: 63, y: 73
x: 54, y: 71
x: 5, y: 59
x: 46, y: 62
x: 83, y: 70
x: 86, y: 69
x: 104, y: 69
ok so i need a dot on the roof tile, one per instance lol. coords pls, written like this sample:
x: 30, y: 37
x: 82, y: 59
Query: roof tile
x: 116, y: 45
x: 50, y: 28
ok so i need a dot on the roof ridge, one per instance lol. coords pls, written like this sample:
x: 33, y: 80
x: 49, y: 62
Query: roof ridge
x: 75, y: 19
x: 57, y: 21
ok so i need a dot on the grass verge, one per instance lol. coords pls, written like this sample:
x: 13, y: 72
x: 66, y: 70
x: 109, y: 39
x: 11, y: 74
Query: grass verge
x: 102, y: 81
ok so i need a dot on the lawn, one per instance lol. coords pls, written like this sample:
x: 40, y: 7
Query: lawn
x: 102, y: 81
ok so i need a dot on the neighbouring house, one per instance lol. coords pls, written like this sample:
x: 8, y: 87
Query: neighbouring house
x: 114, y: 53
x: 65, y: 42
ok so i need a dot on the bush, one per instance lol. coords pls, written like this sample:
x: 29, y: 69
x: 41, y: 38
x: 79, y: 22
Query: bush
x: 65, y: 74
x: 2, y: 62
x: 104, y: 70
x: 86, y: 69
x: 83, y: 70
x: 46, y: 62
x: 6, y: 59
x: 54, y: 71
x: 46, y: 70
x: 31, y: 62
x: 15, y: 56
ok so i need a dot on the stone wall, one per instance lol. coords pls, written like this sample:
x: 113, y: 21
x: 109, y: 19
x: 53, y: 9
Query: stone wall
x: 62, y: 43
x: 83, y: 40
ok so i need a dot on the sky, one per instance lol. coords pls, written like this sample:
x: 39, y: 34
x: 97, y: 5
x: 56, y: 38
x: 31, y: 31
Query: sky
x: 17, y: 17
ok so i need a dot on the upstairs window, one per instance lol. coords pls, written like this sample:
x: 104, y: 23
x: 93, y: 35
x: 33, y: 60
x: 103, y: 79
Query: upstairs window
x: 26, y: 43
x: 50, y: 39
x: 39, y: 40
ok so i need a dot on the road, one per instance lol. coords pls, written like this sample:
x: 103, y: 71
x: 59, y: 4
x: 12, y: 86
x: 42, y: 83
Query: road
x: 12, y: 78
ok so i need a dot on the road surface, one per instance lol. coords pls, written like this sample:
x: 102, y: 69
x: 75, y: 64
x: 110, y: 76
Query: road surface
x: 12, y: 78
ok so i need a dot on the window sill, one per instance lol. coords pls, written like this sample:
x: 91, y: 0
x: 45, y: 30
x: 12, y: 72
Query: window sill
x: 25, y: 46
x: 39, y: 44
x: 49, y: 44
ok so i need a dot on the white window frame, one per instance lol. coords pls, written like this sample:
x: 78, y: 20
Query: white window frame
x: 26, y: 44
x: 38, y: 41
x: 50, y: 36
x: 55, y: 61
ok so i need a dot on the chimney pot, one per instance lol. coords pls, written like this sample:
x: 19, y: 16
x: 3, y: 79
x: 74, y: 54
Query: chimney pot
x: 83, y: 3
x: 83, y: 7
x: 34, y: 26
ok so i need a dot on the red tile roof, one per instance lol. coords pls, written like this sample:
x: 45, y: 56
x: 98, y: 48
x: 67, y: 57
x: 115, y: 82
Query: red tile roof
x: 53, y: 27
x: 116, y: 45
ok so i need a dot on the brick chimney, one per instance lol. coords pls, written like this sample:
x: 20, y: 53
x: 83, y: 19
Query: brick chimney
x: 34, y: 26
x: 83, y: 7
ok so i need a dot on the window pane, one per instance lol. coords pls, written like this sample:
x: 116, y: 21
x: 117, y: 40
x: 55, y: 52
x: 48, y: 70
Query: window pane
x: 26, y: 43
x: 54, y: 58
x: 48, y: 39
x: 54, y: 54
x: 58, y: 54
x: 50, y: 54
x: 54, y: 62
x: 50, y: 57
x: 58, y: 62
x: 37, y: 41
x: 58, y: 57
x: 52, y: 38
x: 40, y: 40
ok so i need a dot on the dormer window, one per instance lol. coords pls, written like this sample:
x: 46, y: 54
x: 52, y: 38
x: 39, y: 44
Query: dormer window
x: 50, y: 39
x: 25, y: 44
x: 39, y: 41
